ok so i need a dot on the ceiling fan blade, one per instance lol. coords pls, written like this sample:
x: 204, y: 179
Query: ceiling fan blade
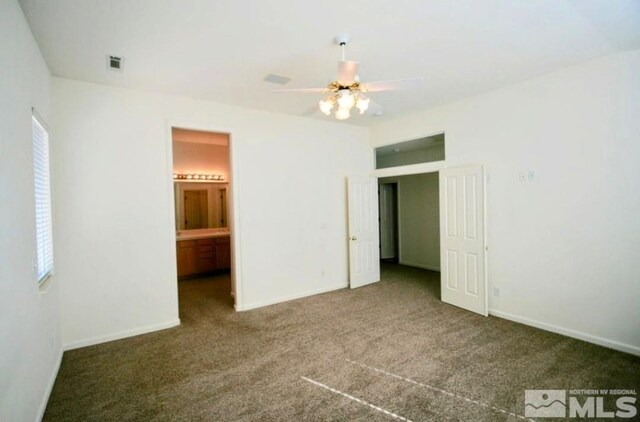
x: 303, y: 90
x: 347, y: 72
x: 391, y: 85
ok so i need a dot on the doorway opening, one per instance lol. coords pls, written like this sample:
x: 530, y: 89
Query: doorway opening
x: 202, y: 183
x: 448, y: 237
x: 409, y: 215
x: 388, y: 216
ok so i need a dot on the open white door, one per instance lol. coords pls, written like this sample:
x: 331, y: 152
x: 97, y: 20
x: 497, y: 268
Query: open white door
x: 462, y: 238
x: 364, y: 253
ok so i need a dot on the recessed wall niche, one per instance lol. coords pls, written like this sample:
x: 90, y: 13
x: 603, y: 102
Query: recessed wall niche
x: 416, y: 151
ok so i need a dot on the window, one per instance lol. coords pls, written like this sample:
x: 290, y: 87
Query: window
x: 44, y: 242
x: 417, y: 151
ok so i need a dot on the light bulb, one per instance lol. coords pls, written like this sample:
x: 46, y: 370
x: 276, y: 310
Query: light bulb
x: 362, y: 104
x: 342, y: 113
x: 326, y: 106
x: 346, y: 100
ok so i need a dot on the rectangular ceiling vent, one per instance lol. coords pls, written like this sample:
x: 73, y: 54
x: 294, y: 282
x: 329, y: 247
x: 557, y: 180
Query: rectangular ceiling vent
x: 276, y: 79
x: 115, y: 63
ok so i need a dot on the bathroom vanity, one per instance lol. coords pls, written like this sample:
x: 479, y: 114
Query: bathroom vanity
x: 202, y: 251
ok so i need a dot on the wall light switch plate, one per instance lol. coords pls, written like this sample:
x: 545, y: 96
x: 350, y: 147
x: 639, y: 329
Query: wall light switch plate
x: 496, y: 292
x: 522, y: 176
x: 531, y: 176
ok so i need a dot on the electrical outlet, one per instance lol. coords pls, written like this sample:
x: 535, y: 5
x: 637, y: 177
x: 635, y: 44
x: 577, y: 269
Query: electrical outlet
x: 496, y: 292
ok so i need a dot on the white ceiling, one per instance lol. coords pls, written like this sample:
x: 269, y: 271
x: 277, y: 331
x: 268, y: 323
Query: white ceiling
x: 221, y: 50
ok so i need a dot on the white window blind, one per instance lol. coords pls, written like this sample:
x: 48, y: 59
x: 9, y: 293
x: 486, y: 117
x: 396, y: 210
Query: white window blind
x: 44, y: 240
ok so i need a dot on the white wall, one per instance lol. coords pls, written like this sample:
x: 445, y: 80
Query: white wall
x: 419, y: 224
x: 563, y: 249
x: 118, y: 256
x: 200, y: 159
x: 30, y: 348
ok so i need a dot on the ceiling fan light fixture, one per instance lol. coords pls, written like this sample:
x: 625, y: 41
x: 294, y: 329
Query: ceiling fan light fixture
x: 362, y: 103
x: 326, y: 105
x: 342, y: 113
x: 347, y: 91
x: 345, y: 99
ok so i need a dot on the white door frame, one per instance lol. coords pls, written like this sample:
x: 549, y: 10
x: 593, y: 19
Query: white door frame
x: 233, y: 201
x: 432, y: 167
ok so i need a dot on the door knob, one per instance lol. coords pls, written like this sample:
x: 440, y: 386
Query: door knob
x: 353, y: 238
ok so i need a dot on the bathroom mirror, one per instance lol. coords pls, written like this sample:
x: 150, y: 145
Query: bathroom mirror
x: 200, y: 205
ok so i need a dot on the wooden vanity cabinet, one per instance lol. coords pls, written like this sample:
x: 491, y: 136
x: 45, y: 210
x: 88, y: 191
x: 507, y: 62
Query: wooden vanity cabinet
x: 187, y: 258
x: 201, y: 256
x: 206, y: 255
x: 223, y: 252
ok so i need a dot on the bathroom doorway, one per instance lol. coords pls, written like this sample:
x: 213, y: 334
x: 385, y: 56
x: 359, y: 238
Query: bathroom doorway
x: 202, y: 186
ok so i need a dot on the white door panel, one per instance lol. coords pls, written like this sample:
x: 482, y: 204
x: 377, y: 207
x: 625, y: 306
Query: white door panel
x: 364, y: 252
x: 462, y: 238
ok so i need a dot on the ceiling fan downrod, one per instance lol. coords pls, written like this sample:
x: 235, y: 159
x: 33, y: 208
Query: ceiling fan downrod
x: 342, y: 41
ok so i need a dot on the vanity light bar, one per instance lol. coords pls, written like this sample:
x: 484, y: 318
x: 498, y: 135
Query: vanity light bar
x: 197, y: 177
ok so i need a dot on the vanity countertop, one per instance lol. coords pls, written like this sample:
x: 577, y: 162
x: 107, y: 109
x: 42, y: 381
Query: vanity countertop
x: 202, y: 233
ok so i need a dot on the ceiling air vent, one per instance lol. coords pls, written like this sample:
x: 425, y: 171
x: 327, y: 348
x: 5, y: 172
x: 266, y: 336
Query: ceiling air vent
x: 115, y: 63
x: 276, y: 79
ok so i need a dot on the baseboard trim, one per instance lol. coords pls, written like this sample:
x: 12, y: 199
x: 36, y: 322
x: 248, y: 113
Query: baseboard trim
x: 424, y: 267
x: 287, y: 298
x: 611, y: 344
x: 122, y: 334
x: 50, y: 384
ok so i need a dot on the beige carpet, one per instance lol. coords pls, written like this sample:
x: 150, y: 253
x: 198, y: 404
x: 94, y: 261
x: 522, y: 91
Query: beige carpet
x: 392, y: 345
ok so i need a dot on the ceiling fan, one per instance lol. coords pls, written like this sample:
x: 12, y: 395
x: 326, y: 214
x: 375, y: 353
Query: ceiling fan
x: 347, y: 91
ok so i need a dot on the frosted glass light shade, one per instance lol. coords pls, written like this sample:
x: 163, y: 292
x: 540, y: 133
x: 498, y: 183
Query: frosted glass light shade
x: 342, y: 113
x: 362, y: 104
x: 346, y: 100
x: 326, y: 106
